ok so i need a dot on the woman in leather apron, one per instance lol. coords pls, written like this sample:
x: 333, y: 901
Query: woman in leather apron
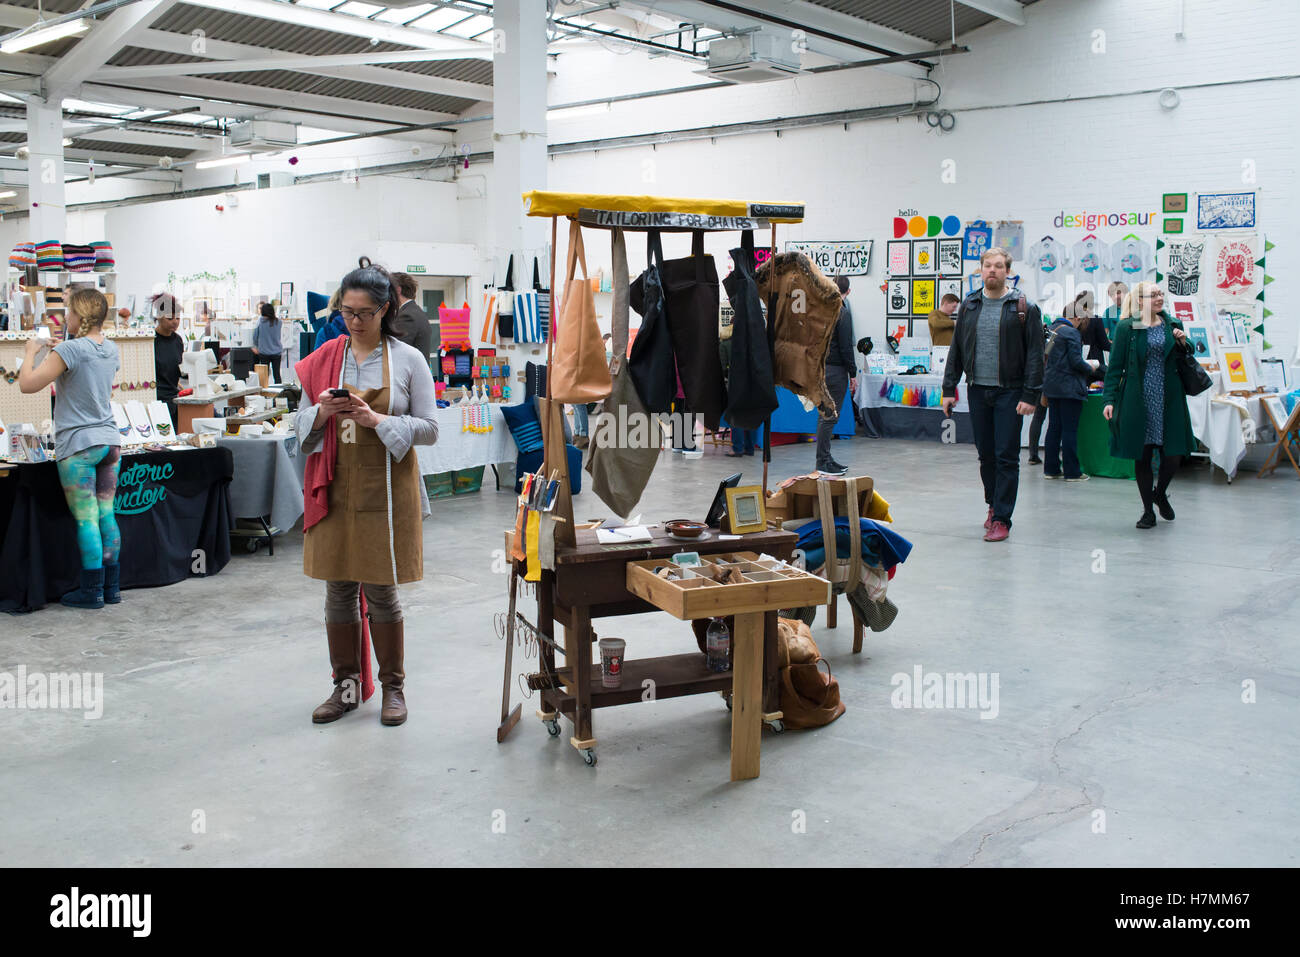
x: 364, y: 498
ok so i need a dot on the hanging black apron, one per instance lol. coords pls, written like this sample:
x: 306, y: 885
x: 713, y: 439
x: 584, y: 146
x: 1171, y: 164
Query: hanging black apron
x: 692, y: 294
x: 751, y: 390
x: 651, y: 362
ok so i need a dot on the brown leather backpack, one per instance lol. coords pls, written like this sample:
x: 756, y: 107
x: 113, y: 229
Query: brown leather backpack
x: 810, y: 697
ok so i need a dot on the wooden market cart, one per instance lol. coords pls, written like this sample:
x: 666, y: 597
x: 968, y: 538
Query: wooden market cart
x: 588, y: 580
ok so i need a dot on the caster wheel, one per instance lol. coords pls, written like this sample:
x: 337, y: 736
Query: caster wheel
x: 552, y: 727
x: 251, y: 546
x: 777, y: 726
x: 589, y: 756
x: 728, y: 702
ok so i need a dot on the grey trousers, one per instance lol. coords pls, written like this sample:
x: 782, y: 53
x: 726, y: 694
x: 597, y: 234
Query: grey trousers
x: 342, y: 605
x: 837, y: 384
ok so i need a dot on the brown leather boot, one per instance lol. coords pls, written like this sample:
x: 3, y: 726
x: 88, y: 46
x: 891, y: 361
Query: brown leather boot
x: 388, y: 637
x: 345, y: 659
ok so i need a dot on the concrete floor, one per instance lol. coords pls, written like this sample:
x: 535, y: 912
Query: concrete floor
x: 1119, y: 691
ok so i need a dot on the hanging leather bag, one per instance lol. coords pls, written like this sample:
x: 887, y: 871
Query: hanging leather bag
x: 578, y: 372
x: 621, y: 461
x: 651, y: 362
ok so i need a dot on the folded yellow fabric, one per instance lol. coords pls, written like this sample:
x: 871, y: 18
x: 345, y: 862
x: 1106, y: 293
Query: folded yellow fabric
x: 879, y: 508
x: 534, y: 573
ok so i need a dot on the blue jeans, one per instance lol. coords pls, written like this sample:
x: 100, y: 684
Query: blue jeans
x: 742, y: 440
x: 1063, y: 436
x: 580, y: 419
x: 996, y: 425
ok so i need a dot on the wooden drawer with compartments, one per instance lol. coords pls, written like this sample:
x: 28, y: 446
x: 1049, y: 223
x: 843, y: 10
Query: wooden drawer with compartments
x: 753, y: 584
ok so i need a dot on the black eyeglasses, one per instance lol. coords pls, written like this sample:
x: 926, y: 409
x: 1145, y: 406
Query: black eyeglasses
x: 365, y: 315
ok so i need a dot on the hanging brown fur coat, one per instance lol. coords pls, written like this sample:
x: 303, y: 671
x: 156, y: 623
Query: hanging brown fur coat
x: 802, y: 309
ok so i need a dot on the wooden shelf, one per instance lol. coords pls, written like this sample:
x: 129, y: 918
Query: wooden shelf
x: 673, y: 675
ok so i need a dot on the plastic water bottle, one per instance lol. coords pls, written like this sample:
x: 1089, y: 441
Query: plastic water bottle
x: 718, y: 645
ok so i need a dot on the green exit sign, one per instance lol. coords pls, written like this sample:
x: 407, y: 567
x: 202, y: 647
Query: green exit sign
x: 413, y: 269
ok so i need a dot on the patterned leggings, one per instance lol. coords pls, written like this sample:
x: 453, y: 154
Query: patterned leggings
x: 89, y: 480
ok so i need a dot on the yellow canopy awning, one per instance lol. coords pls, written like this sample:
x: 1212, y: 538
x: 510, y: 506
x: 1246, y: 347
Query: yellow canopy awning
x: 540, y: 202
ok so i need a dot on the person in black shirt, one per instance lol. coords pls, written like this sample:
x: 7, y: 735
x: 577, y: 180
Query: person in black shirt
x: 841, y: 369
x: 168, y: 347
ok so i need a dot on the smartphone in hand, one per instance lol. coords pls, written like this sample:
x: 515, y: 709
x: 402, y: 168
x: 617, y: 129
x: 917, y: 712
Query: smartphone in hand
x: 340, y: 393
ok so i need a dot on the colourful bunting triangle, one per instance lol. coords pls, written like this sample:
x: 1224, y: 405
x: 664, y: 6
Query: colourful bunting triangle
x: 1267, y: 345
x: 1259, y: 328
x: 1267, y: 245
x: 1267, y: 312
x: 1267, y: 279
x: 1160, y: 244
x: 1260, y: 295
x: 1260, y: 262
x: 1159, y: 276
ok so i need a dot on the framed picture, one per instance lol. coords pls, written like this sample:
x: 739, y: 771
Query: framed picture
x: 946, y: 287
x: 1239, y: 369
x: 923, y: 302
x: 286, y: 293
x: 1202, y: 341
x: 898, y: 255
x: 1173, y: 226
x: 745, y: 512
x: 950, y: 261
x: 1175, y: 203
x: 923, y: 258
x: 1225, y: 211
x: 1276, y: 409
x: 898, y: 297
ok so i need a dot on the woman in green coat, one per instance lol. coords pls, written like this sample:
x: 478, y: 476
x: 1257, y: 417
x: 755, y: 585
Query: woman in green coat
x: 1145, y: 401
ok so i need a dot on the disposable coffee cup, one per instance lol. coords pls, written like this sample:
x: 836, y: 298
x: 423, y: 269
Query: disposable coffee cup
x: 611, y: 662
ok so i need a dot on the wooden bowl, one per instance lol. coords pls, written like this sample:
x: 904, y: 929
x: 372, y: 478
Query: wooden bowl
x: 685, y: 528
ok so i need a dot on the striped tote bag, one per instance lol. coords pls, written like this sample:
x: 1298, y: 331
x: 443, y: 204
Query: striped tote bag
x: 528, y: 325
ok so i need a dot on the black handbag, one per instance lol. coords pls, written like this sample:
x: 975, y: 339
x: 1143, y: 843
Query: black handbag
x: 651, y: 363
x: 1195, y: 379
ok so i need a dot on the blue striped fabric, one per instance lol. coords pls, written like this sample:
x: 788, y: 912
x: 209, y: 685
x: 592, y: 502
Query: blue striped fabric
x: 528, y: 327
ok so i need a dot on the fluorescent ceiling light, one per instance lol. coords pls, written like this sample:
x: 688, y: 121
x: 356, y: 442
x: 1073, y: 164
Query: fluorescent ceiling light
x: 8, y: 194
x: 85, y: 106
x: 232, y: 160
x: 569, y: 112
x: 40, y: 35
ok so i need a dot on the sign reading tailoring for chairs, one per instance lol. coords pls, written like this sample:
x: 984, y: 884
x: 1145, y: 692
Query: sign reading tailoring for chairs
x: 844, y: 259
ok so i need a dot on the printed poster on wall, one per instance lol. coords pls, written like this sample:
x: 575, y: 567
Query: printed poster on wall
x: 923, y: 258
x: 899, y: 254
x: 950, y: 262
x: 836, y: 258
x: 1234, y: 275
x: 1184, y: 263
x: 979, y: 237
x: 1215, y: 211
x: 898, y: 297
x: 922, y: 297
x: 948, y: 286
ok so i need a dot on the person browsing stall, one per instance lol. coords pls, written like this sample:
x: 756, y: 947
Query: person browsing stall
x: 363, y: 495
x: 168, y: 348
x: 267, y: 344
x: 1066, y: 374
x: 841, y: 380
x: 412, y: 324
x: 87, y: 444
x: 941, y: 321
x: 998, y: 344
x: 1145, y: 401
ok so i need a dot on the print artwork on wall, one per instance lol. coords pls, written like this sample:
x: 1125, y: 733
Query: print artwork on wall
x: 1183, y: 267
x: 950, y: 259
x: 923, y: 258
x: 898, y: 297
x: 922, y: 297
x: 899, y: 254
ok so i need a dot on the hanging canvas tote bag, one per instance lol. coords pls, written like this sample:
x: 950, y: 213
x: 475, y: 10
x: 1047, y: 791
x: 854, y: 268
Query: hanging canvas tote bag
x: 527, y: 325
x: 691, y: 294
x: 543, y: 302
x: 489, y: 335
x: 651, y: 362
x: 578, y: 371
x: 506, y: 303
x: 620, y: 465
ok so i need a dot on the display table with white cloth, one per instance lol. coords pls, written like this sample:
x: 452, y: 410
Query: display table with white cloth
x: 456, y: 450
x: 883, y: 418
x: 1226, y: 424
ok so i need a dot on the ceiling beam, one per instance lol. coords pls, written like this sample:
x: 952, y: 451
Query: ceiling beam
x: 181, y: 43
x: 827, y: 32
x: 95, y: 49
x: 265, y: 98
x: 1011, y: 11
x: 153, y: 99
x: 339, y: 23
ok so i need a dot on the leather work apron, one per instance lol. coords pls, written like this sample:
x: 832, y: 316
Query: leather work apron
x: 372, y: 533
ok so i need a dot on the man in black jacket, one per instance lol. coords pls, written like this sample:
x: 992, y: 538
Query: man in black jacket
x: 998, y: 344
x: 841, y: 366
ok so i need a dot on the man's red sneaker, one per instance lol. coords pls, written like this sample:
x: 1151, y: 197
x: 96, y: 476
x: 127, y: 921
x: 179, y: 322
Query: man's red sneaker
x: 988, y: 519
x: 997, y: 532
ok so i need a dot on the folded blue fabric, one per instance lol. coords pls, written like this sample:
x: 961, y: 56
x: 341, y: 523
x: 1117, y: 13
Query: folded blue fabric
x: 881, y: 545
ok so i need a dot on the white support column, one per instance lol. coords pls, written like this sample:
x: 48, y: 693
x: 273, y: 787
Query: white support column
x: 45, y: 171
x: 518, y: 132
